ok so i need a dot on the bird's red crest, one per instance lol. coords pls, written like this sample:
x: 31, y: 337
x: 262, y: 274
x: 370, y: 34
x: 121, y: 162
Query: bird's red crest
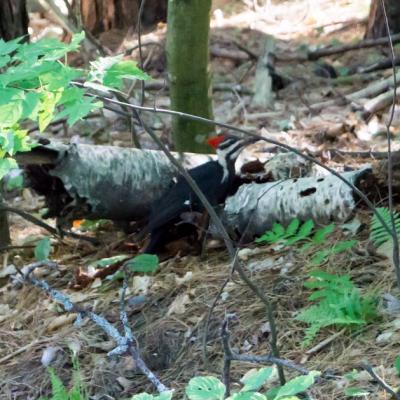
x: 215, y: 141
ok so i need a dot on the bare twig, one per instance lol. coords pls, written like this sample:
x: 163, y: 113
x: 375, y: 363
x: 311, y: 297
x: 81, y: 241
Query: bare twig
x: 396, y: 250
x: 125, y: 342
x: 231, y: 355
x: 329, y: 51
x: 47, y: 227
x: 380, y: 381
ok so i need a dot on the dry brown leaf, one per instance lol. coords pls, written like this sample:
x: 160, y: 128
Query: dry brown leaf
x: 178, y: 306
x: 59, y: 322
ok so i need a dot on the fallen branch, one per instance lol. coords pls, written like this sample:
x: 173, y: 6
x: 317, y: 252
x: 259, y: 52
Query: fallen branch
x: 381, y: 382
x: 330, y: 51
x: 126, y: 342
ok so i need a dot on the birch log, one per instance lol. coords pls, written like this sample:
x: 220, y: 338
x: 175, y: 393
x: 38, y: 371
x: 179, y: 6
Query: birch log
x: 86, y: 181
x: 256, y: 207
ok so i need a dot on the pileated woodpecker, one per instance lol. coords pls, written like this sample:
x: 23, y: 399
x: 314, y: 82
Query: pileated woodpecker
x: 216, y: 179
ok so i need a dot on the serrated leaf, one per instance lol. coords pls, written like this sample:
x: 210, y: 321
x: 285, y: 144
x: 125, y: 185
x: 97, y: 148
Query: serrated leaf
x: 10, y: 113
x: 143, y: 263
x: 43, y: 249
x: 30, y: 105
x: 356, y: 392
x: 10, y: 46
x: 343, y: 246
x: 292, y: 227
x: 297, y: 385
x: 247, y: 396
x: 320, y: 235
x: 256, y: 379
x: 75, y: 111
x: 205, y: 388
x: 6, y: 165
x: 47, y: 107
x: 124, y: 69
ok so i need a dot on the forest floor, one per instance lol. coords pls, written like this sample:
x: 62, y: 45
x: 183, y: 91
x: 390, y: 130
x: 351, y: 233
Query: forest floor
x: 169, y: 316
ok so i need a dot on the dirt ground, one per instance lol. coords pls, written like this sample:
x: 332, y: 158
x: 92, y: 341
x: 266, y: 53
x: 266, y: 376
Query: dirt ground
x: 169, y: 317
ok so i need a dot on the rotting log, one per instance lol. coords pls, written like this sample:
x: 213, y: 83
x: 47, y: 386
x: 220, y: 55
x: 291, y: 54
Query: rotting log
x: 256, y: 207
x: 87, y: 181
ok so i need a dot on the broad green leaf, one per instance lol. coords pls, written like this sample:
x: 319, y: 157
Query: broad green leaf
x: 10, y: 46
x: 255, y: 380
x: 78, y: 110
x: 397, y: 365
x: 205, y: 388
x: 356, y: 392
x: 167, y: 395
x: 7, y: 142
x: 59, y: 79
x: 47, y: 107
x: 43, y: 249
x: 105, y: 262
x: 247, y: 396
x: 124, y: 69
x: 8, y: 95
x: 4, y: 60
x: 142, y: 396
x: 271, y: 393
x: 10, y: 113
x: 6, y: 165
x: 15, y: 180
x: 297, y: 385
x: 143, y: 263
x: 30, y: 105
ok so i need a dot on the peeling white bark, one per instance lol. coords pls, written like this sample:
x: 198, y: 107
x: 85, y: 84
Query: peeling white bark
x: 256, y: 207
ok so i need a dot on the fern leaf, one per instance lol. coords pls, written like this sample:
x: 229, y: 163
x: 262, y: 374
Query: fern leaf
x: 57, y: 387
x: 379, y: 234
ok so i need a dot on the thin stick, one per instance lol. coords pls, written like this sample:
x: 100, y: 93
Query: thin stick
x: 381, y: 382
x: 396, y: 250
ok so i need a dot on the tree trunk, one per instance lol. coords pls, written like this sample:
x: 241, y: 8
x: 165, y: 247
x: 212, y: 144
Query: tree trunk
x: 104, y: 15
x: 188, y: 68
x: 5, y: 239
x: 13, y: 19
x: 13, y: 23
x: 376, y: 22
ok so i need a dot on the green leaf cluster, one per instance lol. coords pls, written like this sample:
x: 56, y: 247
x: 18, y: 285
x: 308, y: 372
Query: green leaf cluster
x: 378, y: 233
x: 339, y: 304
x: 300, y: 232
x: 36, y: 86
x: 60, y: 392
x: 294, y: 232
x: 211, y: 388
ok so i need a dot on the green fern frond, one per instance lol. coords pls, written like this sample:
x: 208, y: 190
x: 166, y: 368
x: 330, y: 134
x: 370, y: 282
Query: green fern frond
x: 58, y: 389
x: 339, y: 304
x: 379, y: 234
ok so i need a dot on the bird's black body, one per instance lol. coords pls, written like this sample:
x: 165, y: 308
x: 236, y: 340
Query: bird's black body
x: 216, y: 179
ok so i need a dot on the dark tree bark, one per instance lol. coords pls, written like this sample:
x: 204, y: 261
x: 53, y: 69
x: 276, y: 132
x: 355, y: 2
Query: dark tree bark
x: 189, y: 71
x: 13, y: 19
x: 105, y: 15
x: 376, y: 22
x: 13, y: 23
